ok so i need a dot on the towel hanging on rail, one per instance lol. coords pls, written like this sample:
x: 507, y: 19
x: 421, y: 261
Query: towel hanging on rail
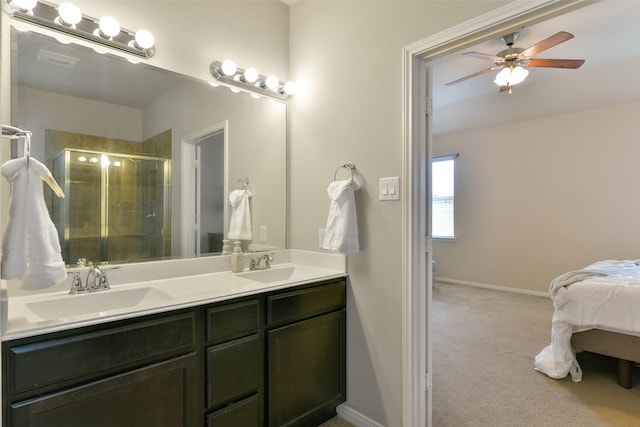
x: 341, y: 232
x: 30, y: 247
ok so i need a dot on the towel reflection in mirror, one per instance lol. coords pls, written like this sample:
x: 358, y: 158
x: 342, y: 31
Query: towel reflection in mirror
x: 240, y: 216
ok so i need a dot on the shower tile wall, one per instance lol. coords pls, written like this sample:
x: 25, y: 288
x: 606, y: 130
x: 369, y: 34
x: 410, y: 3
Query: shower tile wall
x: 138, y: 215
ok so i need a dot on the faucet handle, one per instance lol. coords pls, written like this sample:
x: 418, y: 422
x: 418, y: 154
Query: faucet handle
x: 103, y: 283
x: 268, y: 258
x: 76, y: 283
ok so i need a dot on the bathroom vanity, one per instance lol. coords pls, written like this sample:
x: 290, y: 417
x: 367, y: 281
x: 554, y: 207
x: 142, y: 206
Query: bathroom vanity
x: 273, y: 355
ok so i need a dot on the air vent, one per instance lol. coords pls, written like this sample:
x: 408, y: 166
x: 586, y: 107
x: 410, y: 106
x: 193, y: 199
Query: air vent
x: 57, y: 59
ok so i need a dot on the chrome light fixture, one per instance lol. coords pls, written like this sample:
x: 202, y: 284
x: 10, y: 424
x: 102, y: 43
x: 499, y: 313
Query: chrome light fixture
x: 68, y: 19
x: 249, y: 80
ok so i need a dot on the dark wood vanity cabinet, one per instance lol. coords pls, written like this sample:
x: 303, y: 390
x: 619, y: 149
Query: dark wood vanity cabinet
x: 275, y: 359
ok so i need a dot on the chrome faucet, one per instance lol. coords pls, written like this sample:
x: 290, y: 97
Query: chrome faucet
x: 257, y: 264
x: 96, y: 280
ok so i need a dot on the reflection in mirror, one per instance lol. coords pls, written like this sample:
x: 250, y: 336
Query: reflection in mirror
x: 119, y: 138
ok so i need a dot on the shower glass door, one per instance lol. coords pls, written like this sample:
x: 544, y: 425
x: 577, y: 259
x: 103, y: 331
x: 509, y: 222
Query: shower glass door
x: 116, y: 209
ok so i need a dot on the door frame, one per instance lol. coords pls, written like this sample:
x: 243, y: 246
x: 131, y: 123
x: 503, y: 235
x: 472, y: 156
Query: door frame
x: 416, y: 245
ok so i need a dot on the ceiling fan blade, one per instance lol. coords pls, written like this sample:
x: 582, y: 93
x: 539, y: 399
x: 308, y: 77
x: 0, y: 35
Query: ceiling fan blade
x: 486, y: 56
x: 461, y: 79
x: 556, y: 63
x: 545, y: 44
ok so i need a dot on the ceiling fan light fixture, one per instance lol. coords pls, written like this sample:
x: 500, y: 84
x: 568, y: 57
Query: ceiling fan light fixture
x: 510, y: 76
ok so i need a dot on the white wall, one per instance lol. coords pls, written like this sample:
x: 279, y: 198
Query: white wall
x: 190, y: 34
x: 538, y: 198
x: 346, y: 57
x: 41, y: 110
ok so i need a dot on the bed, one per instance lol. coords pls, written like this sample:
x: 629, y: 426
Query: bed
x: 596, y: 309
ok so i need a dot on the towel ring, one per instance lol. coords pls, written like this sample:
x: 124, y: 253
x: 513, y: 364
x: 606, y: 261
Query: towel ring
x: 243, y: 183
x: 350, y: 166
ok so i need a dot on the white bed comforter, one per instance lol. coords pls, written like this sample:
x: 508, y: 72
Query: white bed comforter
x: 603, y: 295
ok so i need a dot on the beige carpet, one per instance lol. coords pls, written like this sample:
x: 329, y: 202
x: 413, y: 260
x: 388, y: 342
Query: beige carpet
x: 484, y: 344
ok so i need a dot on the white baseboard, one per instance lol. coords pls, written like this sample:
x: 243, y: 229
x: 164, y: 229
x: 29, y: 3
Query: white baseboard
x: 349, y: 414
x: 494, y: 287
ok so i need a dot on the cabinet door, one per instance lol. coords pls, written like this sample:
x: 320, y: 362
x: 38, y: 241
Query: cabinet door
x: 306, y: 370
x: 160, y: 395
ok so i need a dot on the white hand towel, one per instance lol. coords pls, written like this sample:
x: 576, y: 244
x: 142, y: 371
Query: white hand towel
x: 240, y: 221
x: 30, y: 246
x: 341, y: 233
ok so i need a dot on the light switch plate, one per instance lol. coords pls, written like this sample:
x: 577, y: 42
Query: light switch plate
x: 390, y: 188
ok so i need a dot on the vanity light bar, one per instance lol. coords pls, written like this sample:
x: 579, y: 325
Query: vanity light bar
x: 250, y: 81
x: 105, y: 31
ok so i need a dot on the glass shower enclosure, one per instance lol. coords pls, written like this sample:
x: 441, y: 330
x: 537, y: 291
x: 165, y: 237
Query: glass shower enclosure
x: 117, y: 207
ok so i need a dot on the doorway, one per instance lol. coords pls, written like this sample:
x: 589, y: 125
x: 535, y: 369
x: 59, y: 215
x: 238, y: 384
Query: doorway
x: 204, y: 189
x: 417, y: 163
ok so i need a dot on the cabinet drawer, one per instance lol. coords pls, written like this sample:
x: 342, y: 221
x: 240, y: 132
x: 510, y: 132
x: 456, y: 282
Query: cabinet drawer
x: 69, y: 359
x: 306, y: 302
x: 245, y: 413
x: 233, y: 320
x: 234, y: 370
x: 159, y: 395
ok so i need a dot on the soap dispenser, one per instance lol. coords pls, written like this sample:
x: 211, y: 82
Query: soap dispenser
x: 237, y: 258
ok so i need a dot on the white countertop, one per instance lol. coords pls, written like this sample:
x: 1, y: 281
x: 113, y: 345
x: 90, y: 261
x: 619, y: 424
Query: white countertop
x: 165, y: 286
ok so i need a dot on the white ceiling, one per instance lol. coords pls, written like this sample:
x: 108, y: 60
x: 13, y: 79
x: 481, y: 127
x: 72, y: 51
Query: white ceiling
x: 100, y: 77
x: 607, y: 36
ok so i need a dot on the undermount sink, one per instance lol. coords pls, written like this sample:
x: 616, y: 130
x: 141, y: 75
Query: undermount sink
x: 270, y: 275
x: 98, y: 303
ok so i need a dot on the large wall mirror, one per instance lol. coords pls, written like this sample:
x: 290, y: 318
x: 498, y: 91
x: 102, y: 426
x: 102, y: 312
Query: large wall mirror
x: 147, y: 158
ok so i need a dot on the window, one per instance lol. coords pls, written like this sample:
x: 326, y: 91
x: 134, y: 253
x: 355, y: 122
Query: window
x: 442, y: 197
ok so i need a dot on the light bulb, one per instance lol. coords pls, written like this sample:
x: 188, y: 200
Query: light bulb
x: 26, y: 5
x: 518, y: 74
x: 228, y: 67
x: 109, y: 27
x: 511, y: 76
x: 502, y: 78
x: 289, y: 88
x: 144, y: 39
x: 272, y: 82
x: 251, y: 75
x: 69, y: 14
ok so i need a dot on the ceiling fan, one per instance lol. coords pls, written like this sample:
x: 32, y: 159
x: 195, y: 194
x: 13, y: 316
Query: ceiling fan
x: 513, y: 60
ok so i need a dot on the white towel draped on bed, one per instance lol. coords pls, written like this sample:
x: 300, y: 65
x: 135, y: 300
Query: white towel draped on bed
x: 341, y: 233
x: 240, y: 221
x: 30, y: 247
